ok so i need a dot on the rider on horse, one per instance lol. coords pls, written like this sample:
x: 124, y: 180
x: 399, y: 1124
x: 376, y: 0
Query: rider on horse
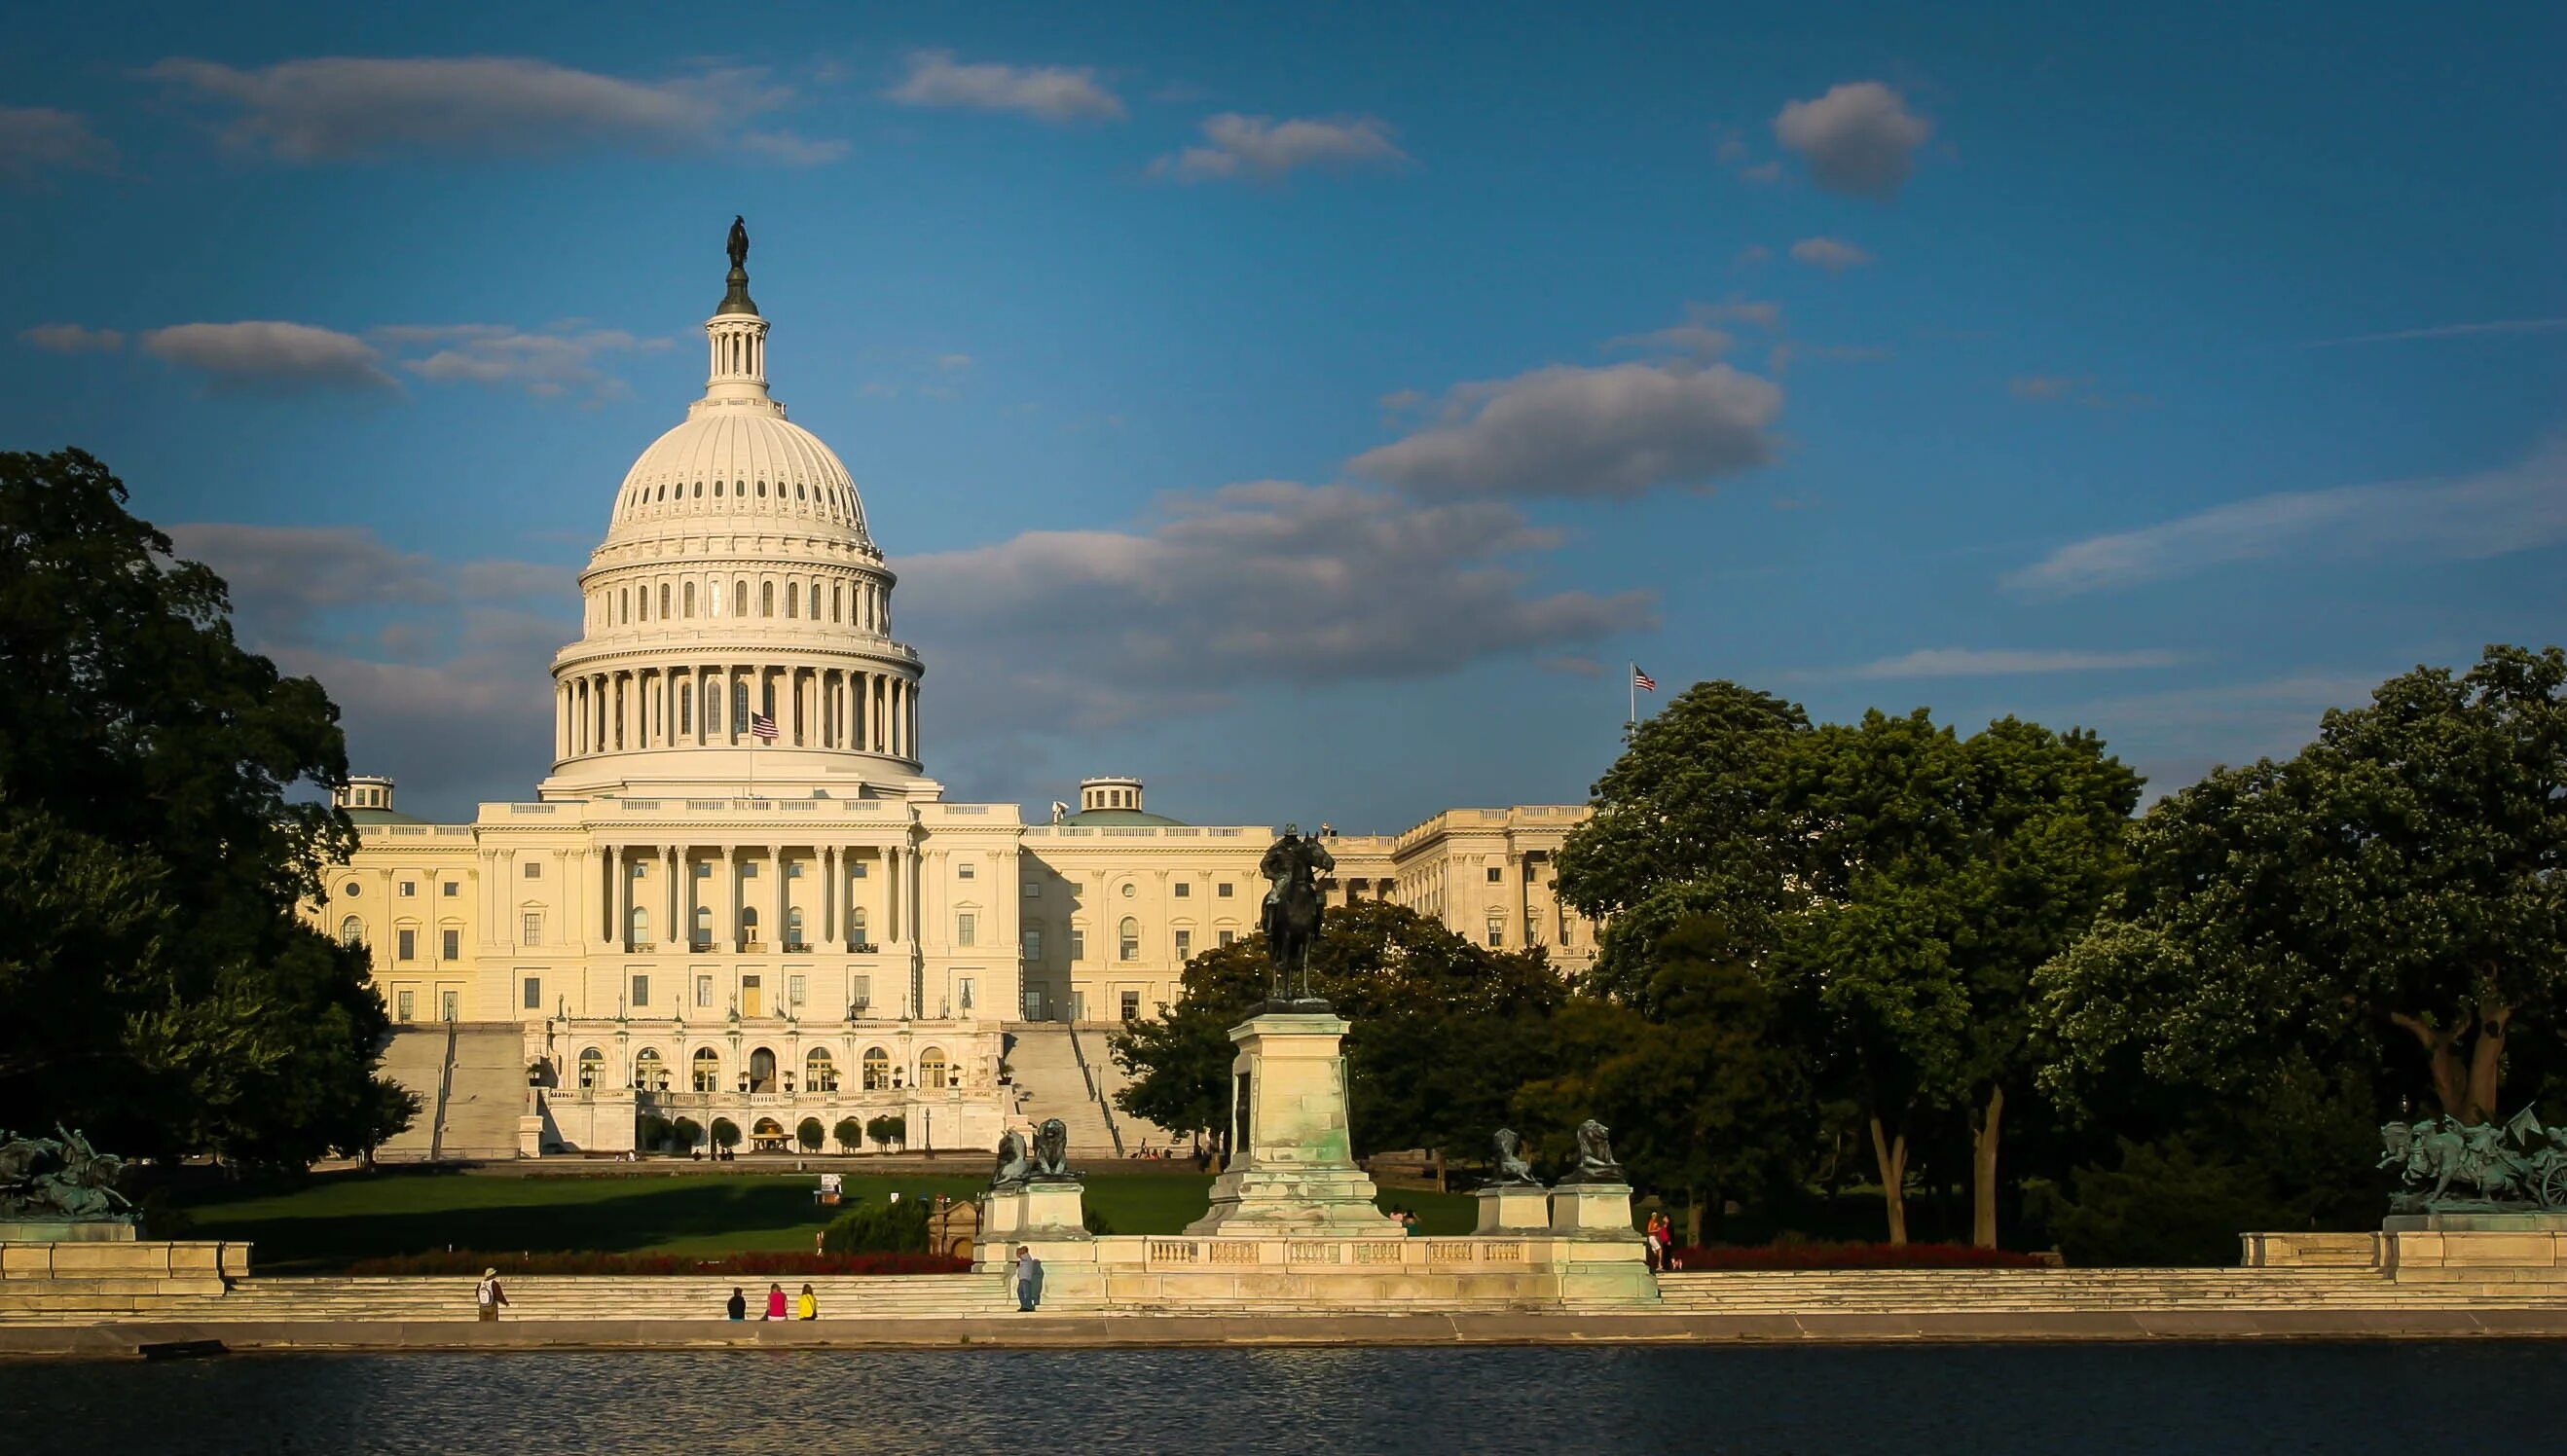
x: 1290, y: 914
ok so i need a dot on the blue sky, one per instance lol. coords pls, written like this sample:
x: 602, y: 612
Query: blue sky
x: 1313, y: 408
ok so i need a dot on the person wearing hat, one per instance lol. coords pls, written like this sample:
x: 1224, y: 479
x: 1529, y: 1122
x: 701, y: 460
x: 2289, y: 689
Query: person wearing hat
x: 489, y: 1296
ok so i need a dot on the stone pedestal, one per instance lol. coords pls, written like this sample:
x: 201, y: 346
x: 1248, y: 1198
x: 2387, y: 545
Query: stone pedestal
x: 1592, y: 1211
x: 66, y: 1231
x: 1514, y: 1209
x: 1033, y: 1211
x: 1293, y: 1171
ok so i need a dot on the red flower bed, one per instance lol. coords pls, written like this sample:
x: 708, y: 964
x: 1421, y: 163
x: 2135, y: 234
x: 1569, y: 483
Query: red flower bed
x: 1855, y: 1255
x: 772, y: 1264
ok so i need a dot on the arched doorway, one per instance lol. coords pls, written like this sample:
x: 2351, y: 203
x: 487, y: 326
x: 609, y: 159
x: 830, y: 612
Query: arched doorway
x: 650, y: 1073
x: 767, y: 1135
x: 592, y: 1062
x: 707, y: 1069
x: 762, y: 1070
x: 933, y: 1072
x: 877, y: 1067
x: 819, y: 1072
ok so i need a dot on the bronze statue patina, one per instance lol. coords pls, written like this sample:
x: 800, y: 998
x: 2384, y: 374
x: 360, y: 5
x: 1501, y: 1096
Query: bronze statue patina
x: 1595, y: 1162
x: 1013, y: 1169
x: 1051, y: 1153
x: 738, y: 244
x: 1290, y: 915
x: 58, y: 1178
x: 2517, y: 1167
x: 1514, y: 1170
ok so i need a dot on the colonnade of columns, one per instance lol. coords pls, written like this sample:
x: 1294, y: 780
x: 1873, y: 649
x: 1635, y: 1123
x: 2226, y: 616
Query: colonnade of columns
x: 698, y: 706
x: 672, y: 918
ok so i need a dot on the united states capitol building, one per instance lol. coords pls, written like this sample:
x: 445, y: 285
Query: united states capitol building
x: 692, y: 919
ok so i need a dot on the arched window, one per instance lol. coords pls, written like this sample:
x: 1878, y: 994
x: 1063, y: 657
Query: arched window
x: 1130, y: 935
x: 592, y: 1064
x: 638, y: 933
x: 740, y: 597
x: 689, y: 598
x: 352, y: 932
x: 623, y: 605
x: 761, y: 490
x: 717, y: 489
x: 877, y: 1071
x: 708, y: 1070
x: 713, y: 705
x: 815, y: 601
x: 793, y: 928
x: 933, y: 1073
x: 819, y: 1073
x: 703, y: 925
x: 686, y: 712
x: 650, y: 1073
x: 766, y: 599
x: 837, y: 600
x: 793, y: 601
x: 739, y: 705
x: 663, y: 601
x: 797, y: 492
x: 699, y: 489
x: 762, y: 1070
x: 856, y: 926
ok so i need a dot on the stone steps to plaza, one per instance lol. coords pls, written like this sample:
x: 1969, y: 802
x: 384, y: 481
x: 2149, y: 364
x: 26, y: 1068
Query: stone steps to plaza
x: 468, y: 1106
x: 1045, y: 1066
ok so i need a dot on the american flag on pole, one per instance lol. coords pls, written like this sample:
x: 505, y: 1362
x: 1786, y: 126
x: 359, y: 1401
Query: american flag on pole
x: 1642, y: 681
x: 762, y: 727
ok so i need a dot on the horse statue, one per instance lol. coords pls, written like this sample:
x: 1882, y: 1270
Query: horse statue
x: 1291, y: 914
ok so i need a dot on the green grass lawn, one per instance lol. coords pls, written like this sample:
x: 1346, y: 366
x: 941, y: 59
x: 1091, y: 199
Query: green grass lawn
x: 338, y: 1218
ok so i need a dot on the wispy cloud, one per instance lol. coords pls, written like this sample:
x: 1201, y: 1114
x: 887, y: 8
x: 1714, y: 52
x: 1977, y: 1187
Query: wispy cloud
x: 35, y: 141
x: 2046, y: 386
x: 1261, y: 146
x: 1859, y: 137
x: 548, y: 363
x: 270, y: 356
x: 1045, y: 93
x: 1833, y: 254
x: 1983, y: 662
x: 73, y: 338
x: 2491, y: 514
x: 2449, y: 331
x: 344, y: 108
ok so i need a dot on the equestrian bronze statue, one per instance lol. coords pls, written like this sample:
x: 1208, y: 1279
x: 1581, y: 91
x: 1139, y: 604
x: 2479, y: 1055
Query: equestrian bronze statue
x: 1290, y: 915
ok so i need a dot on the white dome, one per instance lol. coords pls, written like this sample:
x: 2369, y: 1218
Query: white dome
x: 736, y: 461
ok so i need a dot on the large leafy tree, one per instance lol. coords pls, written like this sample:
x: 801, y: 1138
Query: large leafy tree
x: 2397, y: 884
x: 1444, y: 1032
x: 1940, y: 874
x: 156, y: 985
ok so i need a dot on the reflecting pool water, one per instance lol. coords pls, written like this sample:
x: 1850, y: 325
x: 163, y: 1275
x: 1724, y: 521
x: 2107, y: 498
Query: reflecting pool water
x: 1907, y: 1400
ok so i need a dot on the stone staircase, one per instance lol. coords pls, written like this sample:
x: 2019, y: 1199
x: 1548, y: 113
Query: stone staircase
x: 1045, y: 1063
x: 470, y: 1079
x: 531, y: 1298
x: 1111, y: 1078
x: 1949, y: 1291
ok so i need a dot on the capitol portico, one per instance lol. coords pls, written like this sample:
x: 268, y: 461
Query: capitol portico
x: 737, y: 895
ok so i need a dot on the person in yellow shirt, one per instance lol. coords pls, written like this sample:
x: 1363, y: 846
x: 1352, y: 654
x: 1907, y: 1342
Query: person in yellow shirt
x: 807, y: 1307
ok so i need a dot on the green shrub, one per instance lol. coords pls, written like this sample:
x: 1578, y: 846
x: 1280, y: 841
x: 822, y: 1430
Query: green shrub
x: 651, y: 1132
x: 879, y: 1228
x: 686, y: 1133
x: 725, y: 1133
x: 888, y: 1129
x: 2168, y: 1204
x: 850, y: 1135
x: 1095, y: 1224
x: 809, y: 1135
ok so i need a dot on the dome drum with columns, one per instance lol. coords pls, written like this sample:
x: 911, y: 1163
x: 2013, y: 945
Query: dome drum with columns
x: 736, y: 582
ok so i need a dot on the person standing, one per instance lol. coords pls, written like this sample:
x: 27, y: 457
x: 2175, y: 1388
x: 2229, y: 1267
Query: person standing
x: 489, y: 1296
x: 775, y: 1301
x: 808, y: 1305
x: 1028, y: 1279
x: 737, y: 1308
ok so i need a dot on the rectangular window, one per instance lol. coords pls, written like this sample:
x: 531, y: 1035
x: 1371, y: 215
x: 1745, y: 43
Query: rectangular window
x: 1185, y: 891
x: 641, y: 871
x: 452, y: 889
x: 534, y: 869
x: 1497, y: 876
x: 857, y: 869
x: 794, y: 869
x: 1185, y: 944
x: 1032, y: 940
x: 1221, y: 890
x: 704, y: 990
x: 533, y: 929
x: 1227, y: 936
x: 1131, y: 1005
x: 962, y: 869
x: 408, y: 946
x: 860, y: 991
x: 1497, y: 931
x: 1034, y: 889
x: 962, y: 990
x: 793, y: 988
x: 966, y: 929
x: 748, y: 870
x: 1078, y: 945
x: 704, y: 869
x: 534, y: 994
x: 403, y: 1004
x: 640, y: 991
x: 410, y: 889
x: 753, y: 996
x: 451, y: 944
x: 450, y: 1006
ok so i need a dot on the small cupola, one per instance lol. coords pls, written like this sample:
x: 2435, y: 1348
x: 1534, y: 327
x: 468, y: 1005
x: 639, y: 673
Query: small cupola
x: 363, y: 791
x: 1115, y: 792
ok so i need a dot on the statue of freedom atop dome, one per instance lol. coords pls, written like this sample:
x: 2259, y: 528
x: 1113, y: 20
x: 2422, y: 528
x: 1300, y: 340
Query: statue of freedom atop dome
x: 737, y: 246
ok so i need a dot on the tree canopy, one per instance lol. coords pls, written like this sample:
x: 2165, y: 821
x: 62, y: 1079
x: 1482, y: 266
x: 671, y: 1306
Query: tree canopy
x: 157, y: 988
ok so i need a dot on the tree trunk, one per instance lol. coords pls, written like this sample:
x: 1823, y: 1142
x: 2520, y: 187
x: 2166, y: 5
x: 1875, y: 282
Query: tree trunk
x: 1441, y: 1186
x: 2443, y: 1059
x: 1693, y: 1218
x: 2486, y: 1060
x: 1892, y: 1154
x: 1983, y: 1172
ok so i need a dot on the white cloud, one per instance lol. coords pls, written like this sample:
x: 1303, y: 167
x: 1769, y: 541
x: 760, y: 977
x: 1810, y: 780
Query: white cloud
x: 548, y: 363
x: 1258, y: 583
x: 338, y: 107
x: 1616, y: 432
x: 2514, y: 508
x: 2449, y: 331
x: 268, y: 354
x: 1264, y: 147
x: 38, y: 139
x: 1706, y: 332
x: 1049, y: 92
x: 1859, y: 137
x: 73, y: 338
x: 1980, y: 662
x: 1833, y: 254
x: 791, y: 148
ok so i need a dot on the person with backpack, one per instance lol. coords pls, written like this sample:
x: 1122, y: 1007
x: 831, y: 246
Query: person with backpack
x: 489, y: 1296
